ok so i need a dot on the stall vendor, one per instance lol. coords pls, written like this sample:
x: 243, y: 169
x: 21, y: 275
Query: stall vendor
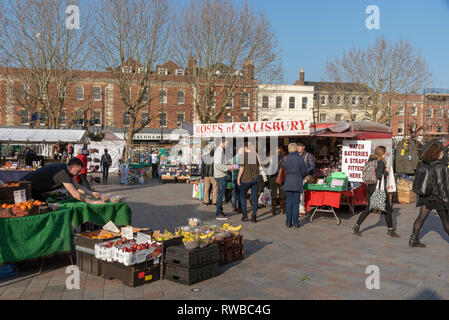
x: 55, y: 176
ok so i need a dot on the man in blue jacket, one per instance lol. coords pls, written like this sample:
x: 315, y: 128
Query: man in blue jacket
x: 310, y: 166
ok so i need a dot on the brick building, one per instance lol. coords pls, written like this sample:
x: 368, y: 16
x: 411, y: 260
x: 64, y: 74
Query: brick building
x: 409, y: 117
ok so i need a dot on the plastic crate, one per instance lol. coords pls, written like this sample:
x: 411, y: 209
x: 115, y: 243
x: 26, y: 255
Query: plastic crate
x: 191, y: 276
x: 133, y: 276
x: 181, y: 257
x: 318, y: 187
x: 231, y: 255
x: 234, y: 242
x: 87, y: 262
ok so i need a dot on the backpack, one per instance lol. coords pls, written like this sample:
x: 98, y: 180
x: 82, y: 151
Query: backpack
x: 369, y: 172
x: 423, y: 185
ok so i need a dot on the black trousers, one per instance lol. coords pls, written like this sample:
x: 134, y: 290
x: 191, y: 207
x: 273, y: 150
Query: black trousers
x: 84, y: 181
x: 365, y: 213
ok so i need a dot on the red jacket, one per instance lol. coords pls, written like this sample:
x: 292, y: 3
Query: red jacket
x: 83, y: 159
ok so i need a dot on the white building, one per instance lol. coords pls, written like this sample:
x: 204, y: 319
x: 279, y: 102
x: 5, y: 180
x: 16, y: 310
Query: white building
x: 284, y: 102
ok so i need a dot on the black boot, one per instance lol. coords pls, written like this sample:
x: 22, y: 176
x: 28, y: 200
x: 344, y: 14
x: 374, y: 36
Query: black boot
x: 392, y: 233
x: 254, y: 219
x: 414, y: 242
x: 355, y: 230
x: 245, y: 217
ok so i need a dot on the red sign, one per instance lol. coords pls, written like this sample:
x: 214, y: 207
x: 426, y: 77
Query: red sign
x: 253, y: 129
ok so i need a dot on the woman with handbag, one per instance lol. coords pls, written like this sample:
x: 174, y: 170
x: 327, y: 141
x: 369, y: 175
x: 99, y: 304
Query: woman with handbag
x: 294, y: 170
x: 437, y: 195
x: 376, y: 195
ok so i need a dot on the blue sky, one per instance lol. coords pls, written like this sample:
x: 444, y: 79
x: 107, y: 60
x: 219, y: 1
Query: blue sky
x: 311, y: 32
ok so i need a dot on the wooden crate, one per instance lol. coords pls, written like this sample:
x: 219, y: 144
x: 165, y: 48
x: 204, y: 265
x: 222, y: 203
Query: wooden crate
x: 406, y: 197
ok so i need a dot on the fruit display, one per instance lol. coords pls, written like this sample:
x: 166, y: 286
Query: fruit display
x: 27, y: 205
x: 127, y: 252
x: 101, y: 234
x: 234, y: 230
x: 22, y: 209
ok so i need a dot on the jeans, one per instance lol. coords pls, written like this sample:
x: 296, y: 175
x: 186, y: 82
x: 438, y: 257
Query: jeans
x: 292, y: 208
x: 244, y: 187
x: 105, y: 172
x: 221, y: 194
x: 236, y: 195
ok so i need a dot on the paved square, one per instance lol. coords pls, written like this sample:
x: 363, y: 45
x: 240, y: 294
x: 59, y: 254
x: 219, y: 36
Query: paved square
x: 320, y: 260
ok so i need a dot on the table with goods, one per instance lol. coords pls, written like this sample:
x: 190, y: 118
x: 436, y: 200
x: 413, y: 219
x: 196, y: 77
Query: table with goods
x: 36, y: 229
x: 181, y: 173
x: 12, y: 171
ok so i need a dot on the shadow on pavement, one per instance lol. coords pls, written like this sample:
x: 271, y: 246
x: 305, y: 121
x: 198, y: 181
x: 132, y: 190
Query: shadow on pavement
x: 434, y: 223
x: 250, y: 247
x: 426, y: 294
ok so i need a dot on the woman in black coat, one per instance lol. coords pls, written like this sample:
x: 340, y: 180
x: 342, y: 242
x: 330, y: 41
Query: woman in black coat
x: 381, y: 171
x: 438, y: 198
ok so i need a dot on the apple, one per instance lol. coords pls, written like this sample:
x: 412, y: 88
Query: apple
x: 147, y: 245
x: 135, y: 246
x: 123, y: 239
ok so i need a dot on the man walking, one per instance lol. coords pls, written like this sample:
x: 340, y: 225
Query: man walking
x: 310, y: 167
x: 207, y: 174
x: 106, y: 162
x: 220, y: 173
x: 155, y: 164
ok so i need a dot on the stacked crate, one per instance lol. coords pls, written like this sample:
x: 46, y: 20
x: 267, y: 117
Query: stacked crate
x: 134, y: 275
x: 231, y: 250
x: 405, y: 194
x: 191, y: 266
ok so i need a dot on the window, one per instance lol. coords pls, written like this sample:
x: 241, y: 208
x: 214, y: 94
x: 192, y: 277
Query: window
x: 145, y: 96
x: 354, y: 117
x: 338, y: 117
x: 179, y: 119
x: 265, y: 102
x: 360, y: 100
x: 125, y: 118
x: 24, y: 91
x: 414, y: 110
x: 339, y: 100
x: 62, y: 117
x: 401, y: 128
x: 179, y: 72
x: 244, y: 100
x: 291, y: 103
x: 79, y: 92
x: 323, y: 100
x: 181, y: 97
x: 126, y: 69
x: 440, y: 128
x: 245, y: 118
x: 163, y: 119
x: 97, y: 93
x: 401, y: 110
x: 96, y: 118
x: 228, y: 119
x: 429, y: 113
x: 323, y: 117
x: 213, y: 98
x: 79, y: 117
x: 440, y: 113
x: 24, y: 117
x: 141, y: 70
x: 230, y: 103
x: 145, y: 118
x: 163, y: 96
x: 345, y: 100
x: 44, y: 95
x: 354, y: 101
x: 304, y: 103
x: 331, y: 100
x: 42, y: 118
x: 370, y: 101
x: 162, y: 71
x: 278, y: 102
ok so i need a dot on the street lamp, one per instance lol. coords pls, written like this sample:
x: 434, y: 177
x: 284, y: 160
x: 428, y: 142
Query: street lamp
x: 162, y: 110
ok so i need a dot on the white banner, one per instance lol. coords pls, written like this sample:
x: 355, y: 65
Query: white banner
x: 253, y: 129
x: 355, y: 155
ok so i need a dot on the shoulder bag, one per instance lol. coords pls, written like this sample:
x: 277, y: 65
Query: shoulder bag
x: 282, y: 173
x: 378, y: 200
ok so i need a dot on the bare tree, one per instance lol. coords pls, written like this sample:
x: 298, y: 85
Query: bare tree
x: 44, y: 52
x: 384, y: 70
x: 133, y: 38
x: 224, y: 47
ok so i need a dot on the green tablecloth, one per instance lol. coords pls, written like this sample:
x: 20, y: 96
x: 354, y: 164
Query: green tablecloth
x: 35, y: 236
x: 119, y: 213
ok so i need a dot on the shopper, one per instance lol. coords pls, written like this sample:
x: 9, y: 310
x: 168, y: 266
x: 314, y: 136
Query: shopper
x: 236, y: 161
x: 207, y: 174
x: 155, y: 164
x: 247, y: 179
x: 310, y: 165
x: 381, y: 171
x: 105, y: 163
x: 82, y: 178
x: 220, y: 173
x: 276, y: 189
x: 296, y: 170
x: 438, y: 195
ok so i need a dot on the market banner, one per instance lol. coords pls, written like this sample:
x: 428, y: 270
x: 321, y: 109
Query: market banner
x: 253, y: 129
x: 355, y: 155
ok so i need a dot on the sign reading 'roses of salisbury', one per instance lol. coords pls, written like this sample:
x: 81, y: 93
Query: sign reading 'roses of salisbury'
x: 253, y: 129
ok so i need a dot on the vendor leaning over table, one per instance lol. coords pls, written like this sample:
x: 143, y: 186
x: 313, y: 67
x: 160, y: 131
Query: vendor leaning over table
x: 55, y: 176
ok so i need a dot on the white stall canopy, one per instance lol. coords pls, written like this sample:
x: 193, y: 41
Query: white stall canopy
x: 15, y: 135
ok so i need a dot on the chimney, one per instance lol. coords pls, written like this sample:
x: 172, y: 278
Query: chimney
x: 301, y: 77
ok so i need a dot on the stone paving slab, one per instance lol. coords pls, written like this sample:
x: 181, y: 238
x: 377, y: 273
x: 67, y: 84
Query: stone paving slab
x: 320, y: 260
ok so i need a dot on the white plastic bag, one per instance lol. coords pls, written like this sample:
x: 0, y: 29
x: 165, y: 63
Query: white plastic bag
x: 265, y: 197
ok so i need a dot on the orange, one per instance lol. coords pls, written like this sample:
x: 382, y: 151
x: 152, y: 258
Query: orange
x: 4, y: 205
x: 23, y: 207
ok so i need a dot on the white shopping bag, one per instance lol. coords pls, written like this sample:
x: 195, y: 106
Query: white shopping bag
x: 265, y: 197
